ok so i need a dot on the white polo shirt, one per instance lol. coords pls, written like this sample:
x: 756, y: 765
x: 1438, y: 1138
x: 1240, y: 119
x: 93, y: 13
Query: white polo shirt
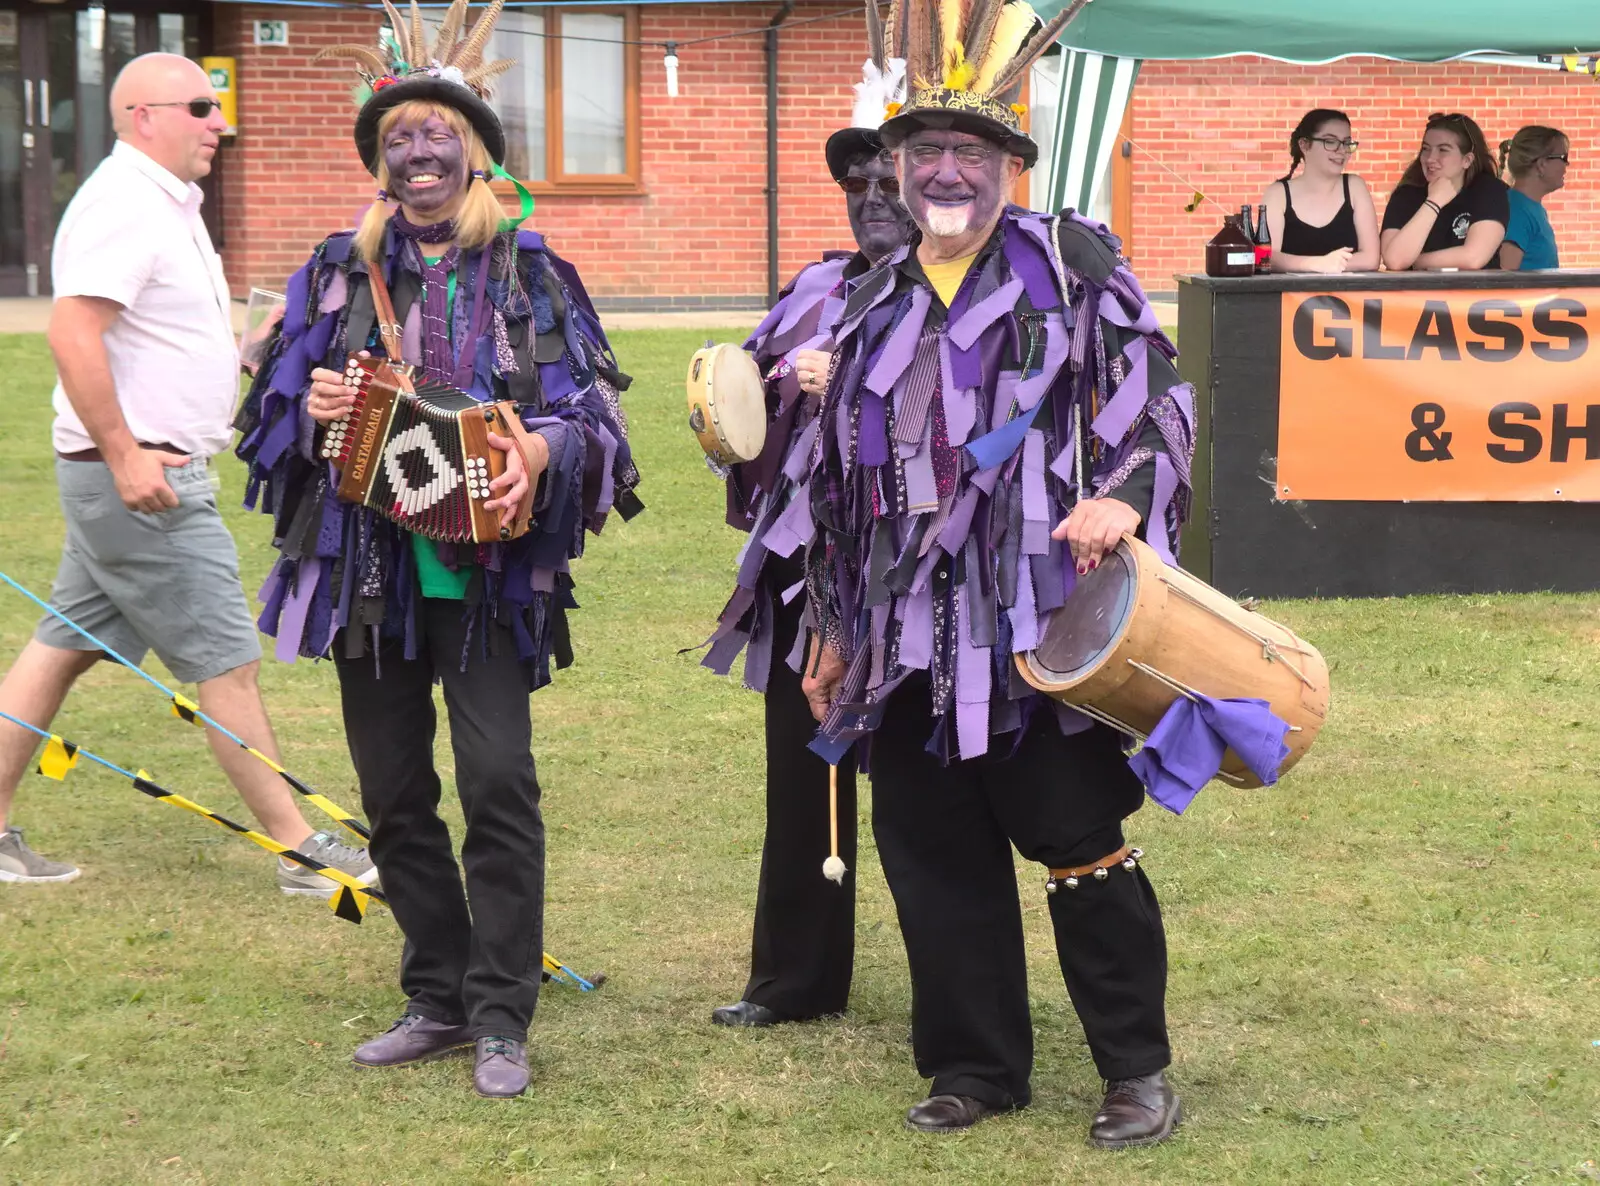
x: 133, y: 234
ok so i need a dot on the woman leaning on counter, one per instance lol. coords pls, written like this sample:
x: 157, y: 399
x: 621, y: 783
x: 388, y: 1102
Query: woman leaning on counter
x: 1449, y: 209
x: 1322, y: 220
x: 1537, y: 158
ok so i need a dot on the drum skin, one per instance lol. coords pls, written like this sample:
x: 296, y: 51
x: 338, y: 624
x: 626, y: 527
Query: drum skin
x: 727, y: 403
x: 1134, y: 608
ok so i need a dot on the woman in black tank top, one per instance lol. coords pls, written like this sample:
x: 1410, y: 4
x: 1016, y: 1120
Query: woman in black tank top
x: 1322, y: 220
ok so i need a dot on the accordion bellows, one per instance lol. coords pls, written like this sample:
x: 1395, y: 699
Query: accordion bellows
x: 420, y: 454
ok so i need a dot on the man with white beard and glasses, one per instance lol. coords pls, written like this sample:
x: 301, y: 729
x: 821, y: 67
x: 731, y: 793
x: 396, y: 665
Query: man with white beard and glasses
x: 1003, y: 409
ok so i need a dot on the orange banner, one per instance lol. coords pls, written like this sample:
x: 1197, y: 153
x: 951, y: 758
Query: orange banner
x: 1490, y: 395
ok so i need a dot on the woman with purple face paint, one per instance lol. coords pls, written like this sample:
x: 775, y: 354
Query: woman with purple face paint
x: 803, y: 941
x: 486, y: 309
x: 1003, y: 408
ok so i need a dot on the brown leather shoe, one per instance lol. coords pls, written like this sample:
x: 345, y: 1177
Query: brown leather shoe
x: 1135, y: 1112
x: 949, y: 1113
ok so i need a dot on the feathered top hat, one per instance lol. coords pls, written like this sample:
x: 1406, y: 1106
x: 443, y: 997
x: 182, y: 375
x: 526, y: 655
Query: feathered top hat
x: 448, y: 70
x: 882, y: 88
x: 967, y: 60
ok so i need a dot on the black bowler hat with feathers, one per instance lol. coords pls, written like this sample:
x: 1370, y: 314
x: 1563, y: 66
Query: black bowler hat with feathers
x: 966, y: 61
x: 449, y: 69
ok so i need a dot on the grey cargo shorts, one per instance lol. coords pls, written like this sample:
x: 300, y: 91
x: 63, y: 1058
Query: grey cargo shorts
x: 167, y: 583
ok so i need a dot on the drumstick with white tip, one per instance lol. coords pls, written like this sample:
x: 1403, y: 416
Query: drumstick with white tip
x: 833, y: 868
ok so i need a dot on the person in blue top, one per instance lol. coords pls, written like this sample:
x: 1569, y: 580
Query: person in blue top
x: 1537, y: 158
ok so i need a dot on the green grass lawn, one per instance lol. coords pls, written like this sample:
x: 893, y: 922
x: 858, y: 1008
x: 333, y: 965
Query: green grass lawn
x: 1384, y: 970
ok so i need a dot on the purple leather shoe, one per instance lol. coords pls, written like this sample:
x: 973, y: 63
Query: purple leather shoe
x: 411, y: 1039
x: 502, y: 1068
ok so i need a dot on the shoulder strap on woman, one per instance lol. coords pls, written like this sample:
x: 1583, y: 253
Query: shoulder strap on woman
x: 1288, y: 202
x: 1346, y: 177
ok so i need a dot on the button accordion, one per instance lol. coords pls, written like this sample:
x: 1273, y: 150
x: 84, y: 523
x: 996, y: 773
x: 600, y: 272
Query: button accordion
x: 419, y: 454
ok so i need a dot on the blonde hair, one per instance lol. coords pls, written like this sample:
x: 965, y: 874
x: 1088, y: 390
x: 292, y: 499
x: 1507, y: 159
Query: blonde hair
x: 480, y: 214
x: 1524, y: 150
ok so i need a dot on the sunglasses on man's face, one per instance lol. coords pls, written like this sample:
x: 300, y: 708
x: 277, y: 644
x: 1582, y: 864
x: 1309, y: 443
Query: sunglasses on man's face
x: 199, y: 108
x: 887, y: 186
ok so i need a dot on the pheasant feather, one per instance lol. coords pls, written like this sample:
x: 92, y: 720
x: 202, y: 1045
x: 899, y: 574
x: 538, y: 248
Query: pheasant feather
x: 419, y: 41
x: 402, y: 35
x: 1016, y: 21
x: 875, y: 34
x: 470, y: 52
x: 365, y: 58
x: 1036, y: 46
x: 952, y: 16
x: 981, y: 19
x: 444, y: 43
x: 478, y: 76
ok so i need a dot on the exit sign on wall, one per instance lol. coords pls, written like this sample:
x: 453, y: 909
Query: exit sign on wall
x: 272, y: 32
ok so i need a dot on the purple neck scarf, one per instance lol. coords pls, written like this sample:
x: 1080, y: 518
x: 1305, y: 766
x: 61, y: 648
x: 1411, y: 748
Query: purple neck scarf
x: 436, y: 232
x: 438, y: 359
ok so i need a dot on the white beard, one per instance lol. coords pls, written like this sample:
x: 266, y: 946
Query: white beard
x: 947, y: 222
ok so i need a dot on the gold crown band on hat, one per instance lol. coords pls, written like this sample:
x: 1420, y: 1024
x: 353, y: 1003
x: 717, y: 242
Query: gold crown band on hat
x: 967, y: 102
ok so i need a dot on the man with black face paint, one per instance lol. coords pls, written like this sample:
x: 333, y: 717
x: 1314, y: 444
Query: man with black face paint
x: 442, y: 283
x: 1003, y: 409
x: 803, y: 946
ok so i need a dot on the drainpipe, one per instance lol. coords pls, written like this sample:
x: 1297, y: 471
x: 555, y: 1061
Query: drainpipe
x: 772, y: 149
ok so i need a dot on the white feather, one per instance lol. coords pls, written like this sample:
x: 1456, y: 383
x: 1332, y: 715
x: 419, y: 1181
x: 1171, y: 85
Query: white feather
x: 876, y: 90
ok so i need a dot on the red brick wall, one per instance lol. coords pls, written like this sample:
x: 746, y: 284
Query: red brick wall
x: 1223, y: 128
x: 698, y: 231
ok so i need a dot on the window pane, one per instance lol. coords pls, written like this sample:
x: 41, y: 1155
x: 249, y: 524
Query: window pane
x: 519, y: 92
x: 518, y: 97
x: 593, y: 94
x: 169, y: 33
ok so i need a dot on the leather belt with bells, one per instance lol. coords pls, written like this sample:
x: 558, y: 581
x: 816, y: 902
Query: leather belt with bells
x: 1126, y: 856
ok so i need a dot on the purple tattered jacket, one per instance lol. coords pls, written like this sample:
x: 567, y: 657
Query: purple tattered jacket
x: 950, y: 443
x: 524, y: 330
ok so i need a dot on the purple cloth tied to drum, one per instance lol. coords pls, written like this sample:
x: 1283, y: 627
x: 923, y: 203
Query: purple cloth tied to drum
x: 1185, y: 749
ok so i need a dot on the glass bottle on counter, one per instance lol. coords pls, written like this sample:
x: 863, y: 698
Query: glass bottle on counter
x: 1263, y: 240
x: 1244, y: 221
x: 1230, y: 251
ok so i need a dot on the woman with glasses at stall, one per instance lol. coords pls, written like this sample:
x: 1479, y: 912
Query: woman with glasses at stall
x: 1449, y: 211
x: 1323, y: 220
x: 1537, y: 158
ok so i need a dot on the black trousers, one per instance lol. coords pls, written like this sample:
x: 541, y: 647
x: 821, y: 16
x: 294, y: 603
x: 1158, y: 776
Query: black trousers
x: 472, y: 956
x: 803, y: 947
x: 944, y: 835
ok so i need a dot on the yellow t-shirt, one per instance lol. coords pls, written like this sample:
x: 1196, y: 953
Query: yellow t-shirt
x: 946, y: 278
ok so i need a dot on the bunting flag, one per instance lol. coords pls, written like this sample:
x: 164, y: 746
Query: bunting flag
x: 1092, y: 98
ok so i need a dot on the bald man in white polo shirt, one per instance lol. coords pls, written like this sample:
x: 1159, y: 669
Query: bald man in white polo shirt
x: 148, y: 377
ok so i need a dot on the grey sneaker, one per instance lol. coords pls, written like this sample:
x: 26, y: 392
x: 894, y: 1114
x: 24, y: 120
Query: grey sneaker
x: 321, y: 846
x: 18, y: 862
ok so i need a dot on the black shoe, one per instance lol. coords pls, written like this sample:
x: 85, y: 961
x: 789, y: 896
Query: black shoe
x: 746, y: 1014
x: 949, y: 1113
x: 1135, y: 1112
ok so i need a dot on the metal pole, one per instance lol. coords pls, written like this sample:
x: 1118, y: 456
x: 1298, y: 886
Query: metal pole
x: 772, y: 149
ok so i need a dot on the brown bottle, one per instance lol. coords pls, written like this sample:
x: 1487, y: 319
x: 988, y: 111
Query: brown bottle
x: 1230, y: 251
x: 1263, y: 238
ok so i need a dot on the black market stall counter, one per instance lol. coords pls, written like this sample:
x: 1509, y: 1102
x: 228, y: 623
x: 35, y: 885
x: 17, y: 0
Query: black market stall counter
x: 1384, y: 433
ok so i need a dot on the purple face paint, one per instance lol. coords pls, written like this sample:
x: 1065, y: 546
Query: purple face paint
x: 427, y: 167
x: 946, y: 197
x: 879, y: 221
